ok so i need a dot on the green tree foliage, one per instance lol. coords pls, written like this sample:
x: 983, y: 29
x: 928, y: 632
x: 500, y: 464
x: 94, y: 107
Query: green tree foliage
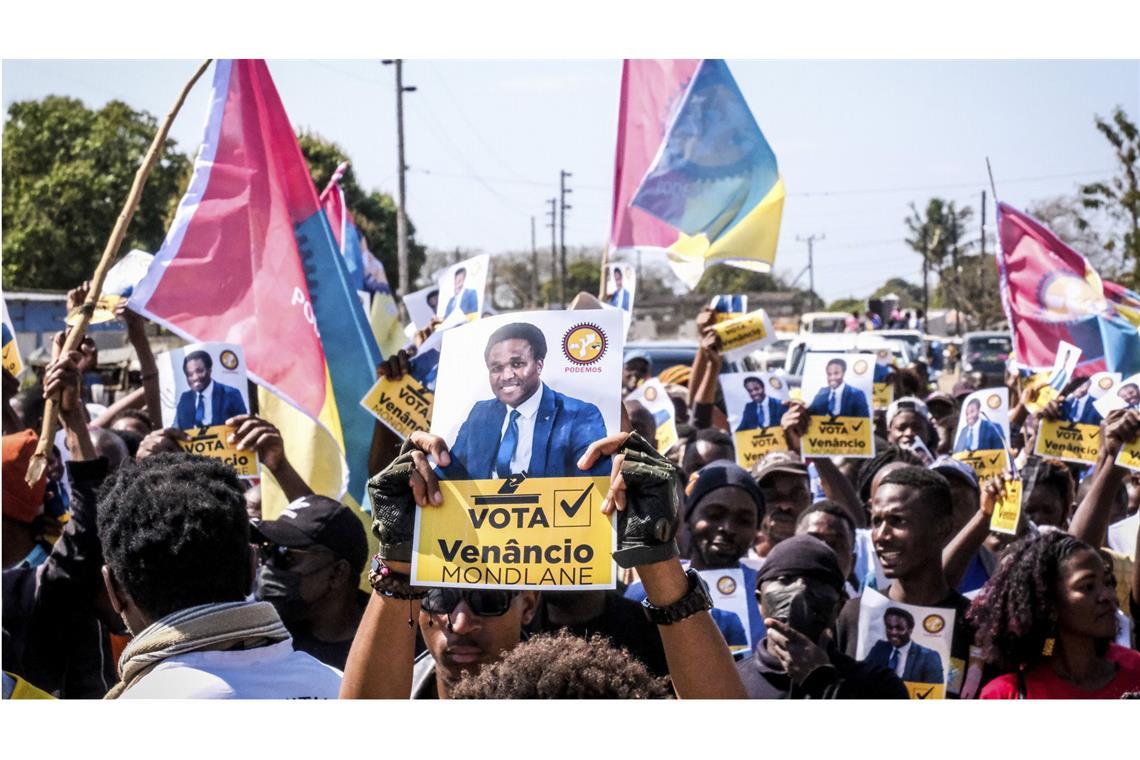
x: 1118, y: 199
x: 374, y: 212
x: 67, y: 170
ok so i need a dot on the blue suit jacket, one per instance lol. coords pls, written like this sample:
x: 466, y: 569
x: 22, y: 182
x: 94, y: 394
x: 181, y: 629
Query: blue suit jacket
x: 989, y: 438
x: 226, y: 402
x: 853, y: 403
x: 1090, y: 416
x: 751, y: 418
x: 468, y: 303
x: 882, y: 372
x: 624, y: 299
x: 923, y: 665
x: 564, y: 428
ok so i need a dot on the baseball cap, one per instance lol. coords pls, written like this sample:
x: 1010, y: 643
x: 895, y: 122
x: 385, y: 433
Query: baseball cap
x: 319, y: 521
x: 779, y: 461
x: 940, y: 403
x: 951, y: 468
x: 907, y: 404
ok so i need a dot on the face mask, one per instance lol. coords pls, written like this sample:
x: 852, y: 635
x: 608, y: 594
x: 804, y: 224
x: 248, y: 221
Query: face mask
x: 282, y: 589
x: 807, y: 606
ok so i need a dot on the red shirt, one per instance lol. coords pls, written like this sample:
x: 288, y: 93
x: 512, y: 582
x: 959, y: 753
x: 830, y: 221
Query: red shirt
x: 1042, y: 683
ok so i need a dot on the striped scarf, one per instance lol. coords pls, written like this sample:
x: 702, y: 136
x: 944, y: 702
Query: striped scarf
x: 230, y: 625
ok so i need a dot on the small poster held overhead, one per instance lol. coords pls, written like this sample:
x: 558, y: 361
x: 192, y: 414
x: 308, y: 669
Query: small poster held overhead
x: 422, y: 305
x: 742, y: 335
x: 652, y: 395
x: 621, y: 288
x: 756, y: 401
x: 839, y: 387
x: 982, y: 437
x: 462, y: 289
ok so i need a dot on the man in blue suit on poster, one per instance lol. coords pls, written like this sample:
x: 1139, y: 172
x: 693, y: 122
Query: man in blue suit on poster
x: 910, y: 661
x: 207, y: 402
x: 1078, y: 407
x: 839, y: 399
x: 761, y: 412
x: 528, y: 427
x: 978, y: 434
x: 465, y: 298
x: 620, y: 296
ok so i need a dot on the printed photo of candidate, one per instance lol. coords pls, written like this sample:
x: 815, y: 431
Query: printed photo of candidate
x: 620, y: 287
x: 528, y: 427
x: 761, y: 411
x: 838, y: 398
x: 901, y: 653
x: 1078, y: 407
x: 976, y: 431
x: 202, y: 385
x: 1130, y: 395
x: 463, y: 298
x: 461, y: 287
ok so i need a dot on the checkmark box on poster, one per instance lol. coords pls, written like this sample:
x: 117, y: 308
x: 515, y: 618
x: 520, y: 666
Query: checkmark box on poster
x: 573, y: 508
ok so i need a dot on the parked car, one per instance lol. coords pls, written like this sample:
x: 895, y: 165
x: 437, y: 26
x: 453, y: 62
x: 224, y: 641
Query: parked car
x: 824, y: 322
x: 664, y: 354
x: 986, y: 354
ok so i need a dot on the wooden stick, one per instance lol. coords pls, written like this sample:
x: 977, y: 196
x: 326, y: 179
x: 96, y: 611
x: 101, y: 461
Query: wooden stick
x: 75, y: 335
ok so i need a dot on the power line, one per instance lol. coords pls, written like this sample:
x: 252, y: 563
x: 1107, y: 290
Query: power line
x: 946, y: 186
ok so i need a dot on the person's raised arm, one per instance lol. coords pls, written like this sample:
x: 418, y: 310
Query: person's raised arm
x: 136, y: 399
x: 62, y: 376
x: 643, y: 491
x: 148, y: 366
x: 703, y: 394
x: 252, y: 433
x: 1090, y: 520
x: 836, y: 486
x: 385, y: 443
x: 957, y: 554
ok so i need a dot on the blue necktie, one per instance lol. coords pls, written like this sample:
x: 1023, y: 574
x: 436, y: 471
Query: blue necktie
x: 831, y: 405
x: 762, y: 414
x: 507, y: 446
x: 200, y: 411
x: 893, y: 662
x: 970, y: 439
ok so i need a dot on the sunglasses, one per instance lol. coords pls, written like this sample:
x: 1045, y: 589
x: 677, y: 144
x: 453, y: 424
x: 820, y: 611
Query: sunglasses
x: 285, y: 557
x: 483, y: 602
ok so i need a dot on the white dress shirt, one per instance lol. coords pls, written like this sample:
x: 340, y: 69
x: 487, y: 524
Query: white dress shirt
x: 528, y: 412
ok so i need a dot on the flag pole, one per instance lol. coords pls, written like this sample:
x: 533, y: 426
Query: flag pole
x: 605, y: 261
x: 38, y: 463
x: 990, y: 171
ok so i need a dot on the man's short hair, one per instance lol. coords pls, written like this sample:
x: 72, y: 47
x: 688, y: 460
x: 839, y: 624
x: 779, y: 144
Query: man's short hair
x: 752, y: 379
x: 133, y: 414
x: 175, y: 532
x: 460, y: 271
x: 933, y: 488
x: 202, y: 356
x: 974, y: 402
x: 828, y: 507
x: 518, y: 331
x: 842, y: 364
x: 899, y: 612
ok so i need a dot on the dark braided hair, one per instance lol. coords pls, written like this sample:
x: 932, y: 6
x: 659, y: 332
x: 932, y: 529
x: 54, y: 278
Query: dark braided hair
x: 175, y: 532
x: 892, y: 452
x: 1017, y: 608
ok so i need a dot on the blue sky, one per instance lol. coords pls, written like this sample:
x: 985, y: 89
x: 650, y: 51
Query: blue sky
x: 856, y: 141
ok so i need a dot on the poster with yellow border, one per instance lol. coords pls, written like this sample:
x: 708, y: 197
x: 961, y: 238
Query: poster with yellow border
x: 755, y: 401
x: 839, y: 387
x: 915, y: 641
x: 744, y: 334
x: 652, y: 395
x: 982, y: 436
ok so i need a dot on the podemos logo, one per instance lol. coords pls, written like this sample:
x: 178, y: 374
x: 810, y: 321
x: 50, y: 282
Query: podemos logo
x: 859, y: 367
x: 933, y: 624
x: 994, y: 401
x: 228, y: 359
x: 584, y: 344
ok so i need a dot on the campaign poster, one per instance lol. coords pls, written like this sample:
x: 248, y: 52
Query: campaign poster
x: 621, y: 287
x: 201, y: 385
x: 839, y: 387
x: 422, y: 305
x: 755, y: 401
x: 13, y: 362
x: 911, y: 640
x: 652, y: 395
x: 742, y: 335
x: 982, y: 437
x: 519, y: 399
x: 730, y: 594
x: 1064, y: 364
x: 727, y: 307
x: 462, y: 288
x: 1125, y: 395
x: 1007, y: 509
x: 117, y: 287
x: 404, y: 405
x: 884, y: 392
x: 1075, y: 437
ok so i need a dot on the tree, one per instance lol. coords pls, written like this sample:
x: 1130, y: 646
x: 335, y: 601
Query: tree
x: 67, y: 170
x: 374, y: 212
x: 1118, y: 199
x: 938, y: 235
x: 1064, y: 215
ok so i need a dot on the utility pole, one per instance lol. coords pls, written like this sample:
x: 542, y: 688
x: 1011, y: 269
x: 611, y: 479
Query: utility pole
x: 401, y: 201
x: 553, y: 225
x: 810, y: 240
x: 562, y: 239
x: 533, y: 268
x: 925, y: 267
x: 957, y: 279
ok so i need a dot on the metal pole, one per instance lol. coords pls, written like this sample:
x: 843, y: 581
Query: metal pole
x: 810, y: 240
x: 553, y: 212
x: 562, y: 175
x: 401, y: 167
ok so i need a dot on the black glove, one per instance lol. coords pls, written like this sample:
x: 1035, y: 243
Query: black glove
x: 647, y: 526
x: 394, y: 508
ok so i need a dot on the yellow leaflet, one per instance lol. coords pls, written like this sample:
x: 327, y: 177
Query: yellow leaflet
x: 1045, y: 394
x: 986, y: 463
x: 104, y: 310
x: 741, y: 331
x: 838, y: 436
x: 918, y: 690
x: 724, y: 316
x: 214, y: 442
x: 666, y: 436
x: 516, y: 533
x: 1129, y: 456
x: 403, y: 405
x: 752, y: 445
x: 884, y: 394
x: 1069, y: 442
x: 1007, y: 511
x: 12, y: 361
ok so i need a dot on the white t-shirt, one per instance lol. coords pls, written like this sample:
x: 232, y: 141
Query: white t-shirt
x: 271, y: 672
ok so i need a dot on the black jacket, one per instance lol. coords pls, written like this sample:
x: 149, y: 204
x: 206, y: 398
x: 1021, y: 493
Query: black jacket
x: 846, y: 678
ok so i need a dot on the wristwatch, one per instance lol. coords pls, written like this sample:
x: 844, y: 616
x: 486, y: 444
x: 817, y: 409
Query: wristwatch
x: 695, y: 600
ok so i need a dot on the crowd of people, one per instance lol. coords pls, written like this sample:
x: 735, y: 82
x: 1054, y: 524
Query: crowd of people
x: 136, y: 570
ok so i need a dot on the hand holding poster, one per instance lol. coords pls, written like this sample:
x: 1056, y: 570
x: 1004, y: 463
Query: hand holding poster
x: 839, y: 386
x: 1125, y: 395
x: 652, y: 395
x: 118, y: 287
x: 1075, y: 437
x: 1006, y: 513
x: 755, y: 402
x: 201, y: 386
x: 461, y: 290
x: 884, y: 392
x: 729, y: 306
x: 743, y: 335
x: 912, y: 641
x: 404, y: 404
x: 1055, y: 379
x: 520, y: 398
x: 982, y: 437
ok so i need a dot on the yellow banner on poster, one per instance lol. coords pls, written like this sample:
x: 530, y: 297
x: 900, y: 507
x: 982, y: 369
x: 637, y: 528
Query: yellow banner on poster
x: 403, y: 405
x: 752, y: 445
x: 1067, y: 441
x: 666, y: 435
x: 838, y: 437
x: 724, y: 316
x: 12, y: 361
x: 538, y: 533
x: 1007, y: 510
x: 742, y: 331
x: 1129, y: 456
x: 918, y: 690
x: 104, y: 310
x: 884, y: 394
x: 986, y: 463
x: 214, y: 442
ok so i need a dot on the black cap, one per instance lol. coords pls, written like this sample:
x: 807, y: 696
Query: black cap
x: 320, y: 521
x: 718, y: 474
x: 799, y: 556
